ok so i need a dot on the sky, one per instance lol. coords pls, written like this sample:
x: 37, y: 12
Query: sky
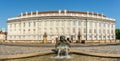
x: 13, y: 8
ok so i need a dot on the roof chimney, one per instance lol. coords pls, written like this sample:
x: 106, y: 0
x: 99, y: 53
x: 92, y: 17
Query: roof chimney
x: 31, y: 13
x: 36, y: 12
x: 65, y: 11
x: 21, y: 14
x: 102, y: 15
x: 26, y: 13
x: 59, y: 11
x: 92, y: 13
x: 87, y: 13
x: 97, y: 14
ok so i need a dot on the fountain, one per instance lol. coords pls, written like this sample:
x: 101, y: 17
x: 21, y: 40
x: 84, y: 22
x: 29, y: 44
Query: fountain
x: 62, y: 48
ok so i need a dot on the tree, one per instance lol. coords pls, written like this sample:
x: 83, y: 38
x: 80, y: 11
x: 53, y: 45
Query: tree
x: 117, y: 32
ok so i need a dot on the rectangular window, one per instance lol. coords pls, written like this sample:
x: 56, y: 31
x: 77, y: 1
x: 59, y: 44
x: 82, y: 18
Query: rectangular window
x: 99, y: 24
x: 50, y: 29
x: 99, y: 36
x: 85, y: 36
x: 45, y: 29
x: 40, y: 24
x: 57, y: 23
x: 19, y: 24
x: 90, y: 23
x: 29, y: 24
x: 111, y: 31
x: 112, y: 36
x: 108, y: 31
x: 69, y: 23
x: 19, y: 37
x: 78, y: 23
x: 46, y: 23
x: 104, y: 31
x: 84, y: 30
x: 84, y: 23
x: 28, y: 29
x: 94, y: 30
x: 73, y: 23
x: 50, y: 22
x: 73, y: 30
x: 10, y: 25
x: 112, y: 25
x: 108, y: 36
x: 95, y: 23
x: 68, y: 30
x: 15, y: 25
x: 99, y: 30
x: 104, y: 25
x: 95, y: 36
x: 34, y: 30
x: 14, y: 36
x: 90, y: 36
x: 104, y: 36
x: 34, y: 23
x: 108, y: 25
x: 24, y: 24
x: 62, y: 23
x: 57, y: 29
x: 23, y: 31
x: 90, y: 30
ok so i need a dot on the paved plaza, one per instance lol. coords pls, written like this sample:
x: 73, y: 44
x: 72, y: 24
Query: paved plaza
x: 13, y: 50
x: 113, y: 49
x: 26, y: 49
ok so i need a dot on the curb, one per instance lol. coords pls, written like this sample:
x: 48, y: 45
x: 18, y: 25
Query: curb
x: 18, y: 56
x: 2, y: 57
x: 96, y: 54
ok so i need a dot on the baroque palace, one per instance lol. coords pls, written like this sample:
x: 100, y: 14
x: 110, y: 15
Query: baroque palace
x: 34, y: 25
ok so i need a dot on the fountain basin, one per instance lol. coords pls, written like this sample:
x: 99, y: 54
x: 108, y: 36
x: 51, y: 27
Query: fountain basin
x: 74, y: 57
x: 18, y: 56
x: 23, y: 56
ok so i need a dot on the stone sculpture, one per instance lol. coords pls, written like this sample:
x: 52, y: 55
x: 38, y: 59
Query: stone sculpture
x: 62, y: 46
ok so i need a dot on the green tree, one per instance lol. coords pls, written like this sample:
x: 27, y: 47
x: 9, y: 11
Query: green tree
x: 117, y: 32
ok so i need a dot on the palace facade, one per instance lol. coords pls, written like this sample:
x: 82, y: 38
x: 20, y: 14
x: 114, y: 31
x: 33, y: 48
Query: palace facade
x: 33, y: 25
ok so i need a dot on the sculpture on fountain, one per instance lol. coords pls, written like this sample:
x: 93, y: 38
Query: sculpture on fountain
x: 62, y: 46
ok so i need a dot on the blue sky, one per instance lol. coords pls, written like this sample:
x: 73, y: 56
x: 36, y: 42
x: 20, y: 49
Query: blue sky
x: 13, y: 8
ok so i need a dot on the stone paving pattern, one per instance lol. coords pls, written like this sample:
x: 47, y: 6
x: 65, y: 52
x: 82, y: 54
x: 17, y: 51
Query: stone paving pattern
x: 100, y: 49
x: 13, y: 50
